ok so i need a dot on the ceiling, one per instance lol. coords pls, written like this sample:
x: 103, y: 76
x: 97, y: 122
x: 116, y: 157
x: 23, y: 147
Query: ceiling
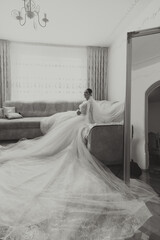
x: 72, y: 22
x: 145, y: 51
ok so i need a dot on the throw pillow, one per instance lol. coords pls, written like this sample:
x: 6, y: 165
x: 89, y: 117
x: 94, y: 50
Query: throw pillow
x: 7, y: 110
x: 13, y: 115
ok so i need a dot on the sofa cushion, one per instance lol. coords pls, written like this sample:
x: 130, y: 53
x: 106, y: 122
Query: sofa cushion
x: 66, y: 106
x: 42, y: 109
x: 32, y: 109
x: 20, y: 133
x: 29, y: 122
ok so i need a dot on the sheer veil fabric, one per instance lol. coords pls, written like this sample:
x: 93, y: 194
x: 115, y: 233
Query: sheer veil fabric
x: 52, y: 188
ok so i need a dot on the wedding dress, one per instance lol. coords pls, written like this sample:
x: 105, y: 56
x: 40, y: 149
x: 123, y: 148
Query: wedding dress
x: 52, y: 188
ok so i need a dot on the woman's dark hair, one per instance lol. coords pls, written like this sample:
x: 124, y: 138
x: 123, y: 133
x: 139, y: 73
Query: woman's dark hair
x: 89, y: 90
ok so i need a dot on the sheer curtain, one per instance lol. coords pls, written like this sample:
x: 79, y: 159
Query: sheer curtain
x: 97, y: 58
x: 48, y: 72
x: 5, y: 88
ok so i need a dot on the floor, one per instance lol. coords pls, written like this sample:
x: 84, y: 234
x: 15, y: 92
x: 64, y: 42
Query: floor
x: 151, y: 229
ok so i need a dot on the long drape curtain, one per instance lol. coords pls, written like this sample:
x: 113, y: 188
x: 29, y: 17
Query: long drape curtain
x: 5, y: 90
x: 97, y: 58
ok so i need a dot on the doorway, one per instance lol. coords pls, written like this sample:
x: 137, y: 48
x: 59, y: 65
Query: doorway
x: 152, y: 128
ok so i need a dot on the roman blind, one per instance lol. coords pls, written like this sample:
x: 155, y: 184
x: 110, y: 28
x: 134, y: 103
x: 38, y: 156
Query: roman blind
x: 47, y: 72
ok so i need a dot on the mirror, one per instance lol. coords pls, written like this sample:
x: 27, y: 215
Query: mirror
x: 142, y: 114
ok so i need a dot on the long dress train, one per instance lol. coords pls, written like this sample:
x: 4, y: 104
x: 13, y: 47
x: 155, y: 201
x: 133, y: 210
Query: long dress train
x: 52, y: 188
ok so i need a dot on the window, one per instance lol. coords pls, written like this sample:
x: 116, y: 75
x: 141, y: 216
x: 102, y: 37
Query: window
x: 46, y: 72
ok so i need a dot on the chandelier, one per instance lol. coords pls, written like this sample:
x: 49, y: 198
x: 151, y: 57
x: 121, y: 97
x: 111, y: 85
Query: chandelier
x: 30, y: 10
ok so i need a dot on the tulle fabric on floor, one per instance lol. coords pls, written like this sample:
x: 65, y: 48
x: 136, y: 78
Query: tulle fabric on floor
x: 52, y: 188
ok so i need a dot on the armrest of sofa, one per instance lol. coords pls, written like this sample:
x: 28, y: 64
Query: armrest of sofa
x: 105, y: 142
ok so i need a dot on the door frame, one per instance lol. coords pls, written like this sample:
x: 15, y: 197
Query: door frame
x: 127, y: 117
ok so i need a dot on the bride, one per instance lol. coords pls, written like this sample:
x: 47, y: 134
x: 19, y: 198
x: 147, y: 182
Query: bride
x: 52, y: 188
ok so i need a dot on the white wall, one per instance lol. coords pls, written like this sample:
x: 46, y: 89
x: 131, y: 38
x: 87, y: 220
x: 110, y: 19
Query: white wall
x: 149, y: 18
x: 142, y: 79
x: 154, y: 117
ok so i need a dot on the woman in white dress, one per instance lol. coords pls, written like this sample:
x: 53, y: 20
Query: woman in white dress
x: 52, y: 188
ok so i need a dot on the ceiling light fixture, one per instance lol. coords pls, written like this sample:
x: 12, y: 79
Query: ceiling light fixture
x: 30, y: 10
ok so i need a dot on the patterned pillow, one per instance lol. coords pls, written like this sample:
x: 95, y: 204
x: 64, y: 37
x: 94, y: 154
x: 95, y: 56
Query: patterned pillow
x: 13, y: 115
x: 7, y: 110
